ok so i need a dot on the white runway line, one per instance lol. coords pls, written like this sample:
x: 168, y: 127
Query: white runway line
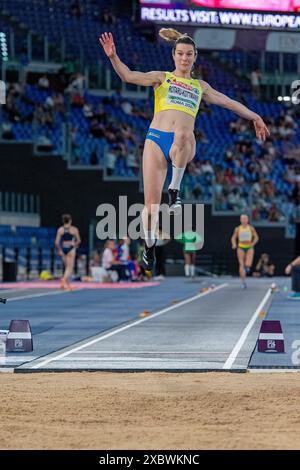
x: 119, y: 330
x: 94, y: 351
x: 115, y: 359
x: 43, y: 294
x: 234, y: 353
x: 8, y: 291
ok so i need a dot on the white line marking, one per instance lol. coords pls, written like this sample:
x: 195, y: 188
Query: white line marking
x: 8, y: 291
x: 119, y: 330
x: 149, y: 352
x: 234, y: 353
x: 126, y: 359
x: 43, y: 294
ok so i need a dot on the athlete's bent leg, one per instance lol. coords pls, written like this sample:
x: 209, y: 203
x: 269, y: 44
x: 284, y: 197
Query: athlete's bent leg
x: 181, y: 153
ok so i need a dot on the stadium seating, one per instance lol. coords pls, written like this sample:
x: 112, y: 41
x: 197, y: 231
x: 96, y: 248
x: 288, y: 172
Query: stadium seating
x: 23, y: 237
x: 56, y: 20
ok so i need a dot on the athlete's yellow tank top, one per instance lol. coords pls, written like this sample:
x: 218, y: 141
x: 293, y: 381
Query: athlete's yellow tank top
x: 245, y: 236
x: 183, y: 94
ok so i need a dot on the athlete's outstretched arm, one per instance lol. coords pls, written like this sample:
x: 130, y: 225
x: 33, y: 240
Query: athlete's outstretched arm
x: 215, y: 97
x: 130, y: 76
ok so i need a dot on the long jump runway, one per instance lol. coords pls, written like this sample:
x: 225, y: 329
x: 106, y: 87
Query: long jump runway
x: 188, y: 328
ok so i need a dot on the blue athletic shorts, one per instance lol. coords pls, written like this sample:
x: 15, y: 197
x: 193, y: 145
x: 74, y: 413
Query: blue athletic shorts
x: 163, y: 139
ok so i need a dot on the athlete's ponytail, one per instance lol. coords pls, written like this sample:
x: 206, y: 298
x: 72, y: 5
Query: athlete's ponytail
x: 170, y: 34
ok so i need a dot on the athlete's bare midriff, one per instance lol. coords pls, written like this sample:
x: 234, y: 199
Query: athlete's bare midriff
x: 171, y: 120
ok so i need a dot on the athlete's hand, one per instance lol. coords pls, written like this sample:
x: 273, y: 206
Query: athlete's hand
x: 261, y: 129
x: 288, y: 269
x: 107, y: 42
x: 234, y: 247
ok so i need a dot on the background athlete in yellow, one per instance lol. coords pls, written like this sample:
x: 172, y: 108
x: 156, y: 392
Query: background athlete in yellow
x: 243, y: 240
x: 171, y: 134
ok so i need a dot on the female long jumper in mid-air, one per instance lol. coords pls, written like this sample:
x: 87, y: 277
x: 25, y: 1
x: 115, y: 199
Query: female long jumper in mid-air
x: 170, y: 138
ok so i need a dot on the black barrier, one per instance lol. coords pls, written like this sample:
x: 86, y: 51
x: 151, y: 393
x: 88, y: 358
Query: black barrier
x: 9, y: 271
